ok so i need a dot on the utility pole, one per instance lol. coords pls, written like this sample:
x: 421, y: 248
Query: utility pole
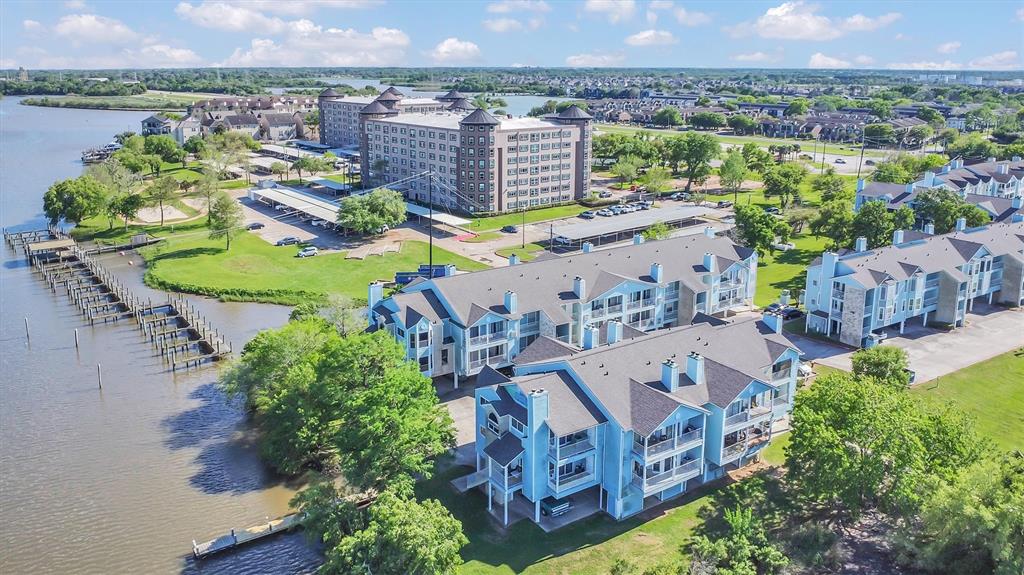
x: 861, y: 161
x: 430, y: 223
x: 823, y: 156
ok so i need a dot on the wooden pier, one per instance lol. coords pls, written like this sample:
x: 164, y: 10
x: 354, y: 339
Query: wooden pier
x: 174, y: 328
x: 237, y: 538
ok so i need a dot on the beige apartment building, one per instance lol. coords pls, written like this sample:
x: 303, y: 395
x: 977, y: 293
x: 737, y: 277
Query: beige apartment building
x: 481, y: 163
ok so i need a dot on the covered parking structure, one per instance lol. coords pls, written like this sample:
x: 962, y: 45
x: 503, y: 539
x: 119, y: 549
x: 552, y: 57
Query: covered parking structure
x: 604, y: 230
x: 285, y: 152
x: 331, y: 186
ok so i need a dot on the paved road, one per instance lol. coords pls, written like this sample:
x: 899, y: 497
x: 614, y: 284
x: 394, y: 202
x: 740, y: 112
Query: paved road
x: 933, y: 353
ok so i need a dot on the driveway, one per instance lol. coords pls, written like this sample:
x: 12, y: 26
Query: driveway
x: 933, y: 353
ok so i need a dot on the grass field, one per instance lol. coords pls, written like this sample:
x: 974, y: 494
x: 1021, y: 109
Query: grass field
x: 806, y: 145
x: 525, y: 254
x: 589, y: 546
x: 516, y: 219
x: 193, y: 262
x: 483, y: 237
x: 153, y: 101
x: 786, y: 270
x: 991, y: 391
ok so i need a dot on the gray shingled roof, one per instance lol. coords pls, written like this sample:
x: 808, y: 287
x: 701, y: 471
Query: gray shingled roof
x: 542, y: 349
x: 480, y: 117
x: 574, y: 112
x: 569, y: 408
x: 412, y: 306
x: 375, y: 107
x: 452, y: 95
x: 508, y: 406
x: 504, y: 449
x: 328, y: 93
x: 461, y: 104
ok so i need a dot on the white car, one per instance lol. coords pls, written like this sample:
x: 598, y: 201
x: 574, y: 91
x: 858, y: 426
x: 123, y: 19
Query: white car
x: 804, y: 370
x: 783, y: 247
x: 307, y: 252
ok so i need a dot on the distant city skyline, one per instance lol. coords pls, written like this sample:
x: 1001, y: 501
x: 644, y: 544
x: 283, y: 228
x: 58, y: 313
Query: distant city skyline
x: 76, y: 34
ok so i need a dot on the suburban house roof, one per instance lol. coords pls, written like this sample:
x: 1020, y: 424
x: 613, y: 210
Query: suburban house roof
x: 625, y: 377
x: 570, y: 409
x: 504, y: 449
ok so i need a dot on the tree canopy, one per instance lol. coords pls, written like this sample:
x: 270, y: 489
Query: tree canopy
x: 783, y: 182
x: 370, y: 213
x: 75, y: 199
x: 943, y: 207
x: 225, y: 218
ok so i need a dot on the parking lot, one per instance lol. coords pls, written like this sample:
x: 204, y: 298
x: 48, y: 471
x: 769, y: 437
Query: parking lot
x: 279, y: 224
x: 933, y: 353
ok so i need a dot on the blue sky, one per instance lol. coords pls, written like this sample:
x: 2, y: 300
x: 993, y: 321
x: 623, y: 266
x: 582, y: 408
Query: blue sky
x: 962, y: 35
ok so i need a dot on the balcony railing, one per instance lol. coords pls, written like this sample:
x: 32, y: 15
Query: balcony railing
x: 748, y: 417
x: 571, y: 480
x: 733, y: 451
x: 780, y: 401
x: 488, y: 338
x: 515, y: 478
x: 494, y: 360
x: 680, y: 472
x: 570, y: 449
x: 671, y: 443
x: 614, y: 309
x: 781, y: 375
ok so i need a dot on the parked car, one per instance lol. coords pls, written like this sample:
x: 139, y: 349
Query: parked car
x: 869, y: 162
x: 382, y: 230
x: 840, y: 161
x: 588, y: 215
x: 783, y: 247
x: 280, y: 207
x: 510, y: 229
x: 772, y: 210
x: 804, y: 370
x: 604, y: 195
x: 615, y: 210
x: 646, y: 205
x: 307, y: 252
x: 773, y: 307
x: 605, y: 213
x: 563, y: 240
x: 679, y: 196
x: 255, y: 226
x: 552, y: 507
x: 287, y: 241
x: 729, y: 220
x: 724, y: 204
x: 911, y: 373
x: 791, y: 313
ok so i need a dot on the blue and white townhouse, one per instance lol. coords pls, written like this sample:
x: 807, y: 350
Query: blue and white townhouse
x: 853, y: 295
x: 623, y: 425
x: 458, y: 325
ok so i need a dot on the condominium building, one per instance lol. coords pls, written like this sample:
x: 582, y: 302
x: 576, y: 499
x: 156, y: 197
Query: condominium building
x: 851, y: 296
x: 1001, y: 179
x: 998, y: 208
x: 339, y: 114
x: 622, y: 426
x: 457, y: 325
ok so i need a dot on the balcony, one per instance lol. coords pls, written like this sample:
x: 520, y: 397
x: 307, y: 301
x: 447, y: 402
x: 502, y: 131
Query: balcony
x: 780, y: 401
x: 515, y: 478
x: 494, y: 360
x: 748, y: 417
x: 781, y: 375
x: 571, y: 480
x: 669, y: 444
x: 489, y: 338
x: 659, y: 481
x: 568, y: 450
x: 733, y: 452
x: 614, y: 309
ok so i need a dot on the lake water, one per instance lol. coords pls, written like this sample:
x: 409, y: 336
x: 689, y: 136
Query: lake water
x: 118, y: 480
x: 518, y: 105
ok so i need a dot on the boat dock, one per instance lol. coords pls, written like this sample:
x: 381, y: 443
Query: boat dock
x: 237, y: 538
x: 174, y: 328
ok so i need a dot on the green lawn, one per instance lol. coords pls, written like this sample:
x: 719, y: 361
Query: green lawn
x: 991, y: 391
x: 157, y: 101
x: 483, y: 237
x: 786, y: 270
x: 234, y: 185
x: 589, y: 546
x: 256, y: 270
x: 516, y: 218
x: 525, y: 254
x: 806, y: 146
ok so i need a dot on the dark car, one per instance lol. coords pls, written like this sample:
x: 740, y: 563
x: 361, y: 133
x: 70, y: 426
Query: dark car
x: 287, y: 241
x: 604, y: 195
x: 255, y: 226
x: 772, y: 210
x: 510, y: 229
x: 791, y: 313
x: 724, y: 204
x: 773, y: 307
x: 554, y: 507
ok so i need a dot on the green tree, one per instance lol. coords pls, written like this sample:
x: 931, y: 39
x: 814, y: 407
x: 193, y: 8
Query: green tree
x: 626, y: 169
x: 903, y: 218
x: 744, y: 549
x: 696, y: 153
x: 225, y: 218
x: 797, y: 107
x: 918, y: 135
x: 879, y: 134
x: 161, y: 145
x: 755, y: 228
x: 279, y: 169
x: 656, y: 180
x: 741, y: 123
x: 784, y: 182
x: 402, y: 537
x: 758, y: 159
x: 881, y: 109
x: 930, y: 115
x: 972, y: 145
x: 733, y: 173
x: 668, y: 116
x: 874, y: 222
x: 657, y: 231
x: 892, y: 172
x: 75, y: 200
x: 208, y: 186
x: 707, y: 120
x: 162, y: 191
x: 369, y: 213
x: 834, y: 221
x: 943, y: 207
x: 195, y: 145
x: 885, y: 363
x: 831, y: 186
x: 127, y: 206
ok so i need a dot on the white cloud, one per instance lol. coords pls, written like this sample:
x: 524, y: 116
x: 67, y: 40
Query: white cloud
x: 507, y: 6
x: 162, y: 55
x: 900, y: 36
x: 453, y: 50
x: 660, y: 5
x: 948, y: 47
x: 652, y: 17
x: 31, y: 25
x: 863, y: 60
x: 595, y: 60
x: 651, y: 38
x: 819, y: 60
x: 862, y: 23
x: 307, y: 44
x: 925, y: 65
x: 1020, y: 14
x: 687, y: 18
x: 572, y: 27
x: 149, y: 56
x: 615, y: 10
x: 503, y: 25
x: 231, y: 17
x: 764, y: 57
x: 92, y: 29
x: 75, y: 5
x: 801, y: 21
x: 8, y: 63
x: 1006, y: 60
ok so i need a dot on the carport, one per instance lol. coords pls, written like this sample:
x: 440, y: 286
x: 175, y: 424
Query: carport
x: 604, y: 230
x: 297, y: 201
